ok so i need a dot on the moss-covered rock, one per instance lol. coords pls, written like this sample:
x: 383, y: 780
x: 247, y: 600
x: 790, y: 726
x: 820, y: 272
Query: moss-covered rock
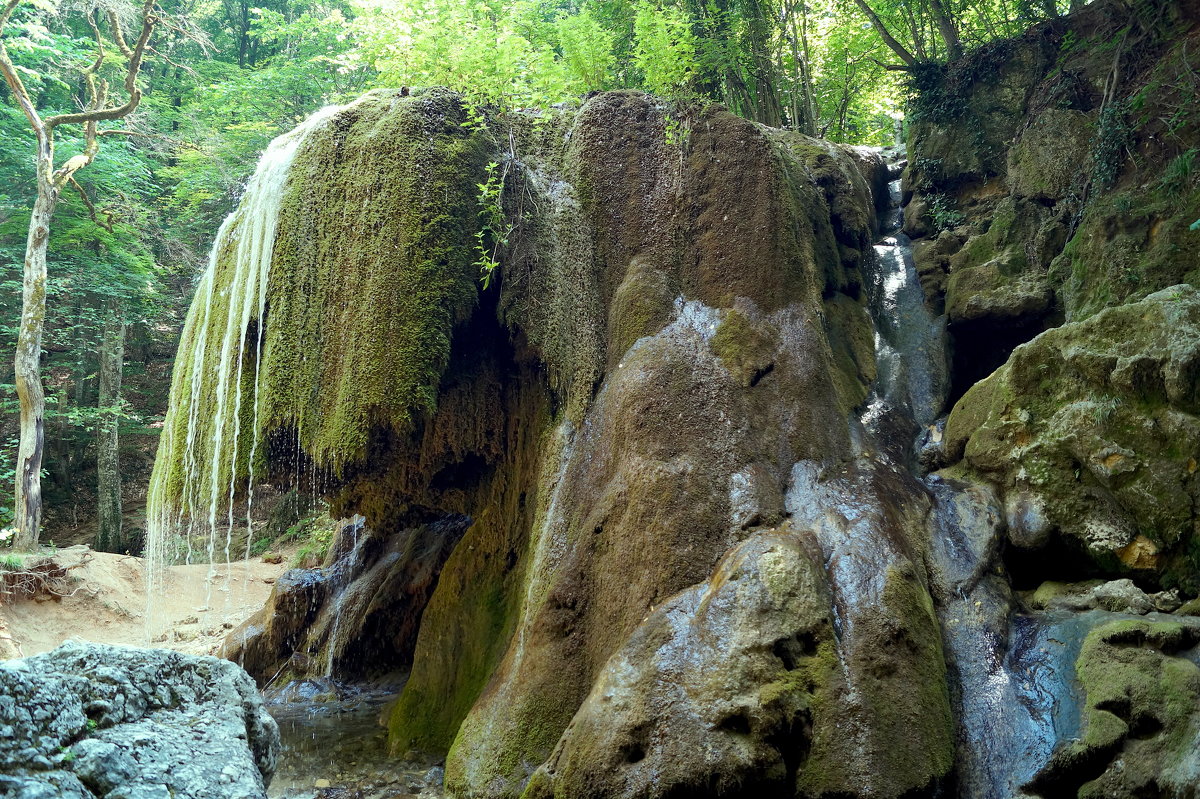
x: 748, y: 696
x: 1048, y: 159
x: 1000, y: 275
x: 1128, y: 245
x: 1141, y: 730
x: 1098, y: 420
x: 688, y: 289
x: 739, y: 698
x: 370, y: 269
x: 1077, y: 192
x: 373, y: 267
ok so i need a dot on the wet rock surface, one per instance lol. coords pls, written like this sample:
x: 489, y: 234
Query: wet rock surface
x: 1092, y: 430
x: 719, y: 690
x: 88, y: 720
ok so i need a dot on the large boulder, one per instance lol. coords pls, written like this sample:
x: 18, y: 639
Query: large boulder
x: 1141, y: 734
x: 734, y: 688
x: 88, y: 720
x: 1092, y: 430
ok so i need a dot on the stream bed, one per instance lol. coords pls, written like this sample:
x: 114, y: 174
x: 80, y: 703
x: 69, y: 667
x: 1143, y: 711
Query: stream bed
x: 334, y: 746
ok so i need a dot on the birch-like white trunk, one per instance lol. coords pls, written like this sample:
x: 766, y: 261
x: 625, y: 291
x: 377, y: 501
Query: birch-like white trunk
x: 29, y: 359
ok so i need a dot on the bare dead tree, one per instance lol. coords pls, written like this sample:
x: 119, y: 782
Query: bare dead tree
x: 51, y: 181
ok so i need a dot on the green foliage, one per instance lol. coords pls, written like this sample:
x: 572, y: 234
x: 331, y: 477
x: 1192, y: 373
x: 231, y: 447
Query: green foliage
x: 938, y: 90
x: 1110, y: 146
x: 587, y: 50
x: 664, y: 47
x: 943, y: 213
x: 318, y: 533
x: 11, y: 563
x: 1179, y: 177
x: 495, y: 229
x: 501, y: 56
x: 937, y: 95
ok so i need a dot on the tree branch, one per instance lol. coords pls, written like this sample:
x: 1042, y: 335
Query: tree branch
x: 149, y: 20
x: 9, y: 7
x: 137, y: 134
x: 91, y: 208
x: 16, y: 85
x: 891, y: 67
x: 897, y: 48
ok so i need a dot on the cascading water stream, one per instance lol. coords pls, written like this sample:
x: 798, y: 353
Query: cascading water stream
x: 217, y: 344
x: 1000, y: 725
x: 910, y: 340
x: 1011, y: 676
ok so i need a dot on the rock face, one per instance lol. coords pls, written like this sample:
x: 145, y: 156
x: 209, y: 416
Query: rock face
x: 644, y: 518
x: 680, y: 321
x: 1030, y: 168
x: 1094, y: 424
x: 88, y: 720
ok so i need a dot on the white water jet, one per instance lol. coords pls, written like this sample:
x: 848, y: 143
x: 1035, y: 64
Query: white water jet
x: 237, y: 278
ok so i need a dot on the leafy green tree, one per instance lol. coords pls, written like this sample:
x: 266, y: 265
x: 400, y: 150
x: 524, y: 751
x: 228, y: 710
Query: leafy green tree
x: 52, y: 179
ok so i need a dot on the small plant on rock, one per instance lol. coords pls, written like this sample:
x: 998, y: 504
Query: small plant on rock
x: 943, y: 213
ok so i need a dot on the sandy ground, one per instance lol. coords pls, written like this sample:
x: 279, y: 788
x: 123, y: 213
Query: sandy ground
x: 107, y: 603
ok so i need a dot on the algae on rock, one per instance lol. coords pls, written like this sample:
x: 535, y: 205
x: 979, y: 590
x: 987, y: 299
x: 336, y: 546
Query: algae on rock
x: 1100, y: 419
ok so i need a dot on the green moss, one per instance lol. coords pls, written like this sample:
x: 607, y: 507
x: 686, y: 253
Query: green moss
x: 745, y: 348
x: 901, y: 699
x: 1100, y: 418
x: 1049, y: 592
x: 819, y: 678
x: 641, y: 306
x: 373, y: 267
x: 852, y: 340
x: 1128, y: 245
x: 371, y: 270
x: 468, y: 624
x: 1140, y: 715
x: 912, y: 707
x: 441, y: 691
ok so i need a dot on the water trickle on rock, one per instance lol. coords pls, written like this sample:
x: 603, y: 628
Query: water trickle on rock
x: 216, y: 438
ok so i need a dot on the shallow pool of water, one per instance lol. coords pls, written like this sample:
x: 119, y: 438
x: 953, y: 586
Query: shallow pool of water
x: 334, y: 746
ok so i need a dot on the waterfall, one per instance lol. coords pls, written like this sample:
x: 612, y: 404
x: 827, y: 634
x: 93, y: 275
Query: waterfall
x: 216, y: 379
x: 910, y: 342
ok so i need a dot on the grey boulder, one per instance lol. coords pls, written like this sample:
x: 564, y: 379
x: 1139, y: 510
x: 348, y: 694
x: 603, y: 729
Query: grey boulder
x: 89, y: 720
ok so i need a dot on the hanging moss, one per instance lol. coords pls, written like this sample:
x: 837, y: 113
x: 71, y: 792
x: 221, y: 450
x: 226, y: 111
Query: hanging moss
x: 373, y: 268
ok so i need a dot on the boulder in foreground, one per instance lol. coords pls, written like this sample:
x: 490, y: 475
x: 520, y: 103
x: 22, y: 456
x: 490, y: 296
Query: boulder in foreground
x: 89, y: 720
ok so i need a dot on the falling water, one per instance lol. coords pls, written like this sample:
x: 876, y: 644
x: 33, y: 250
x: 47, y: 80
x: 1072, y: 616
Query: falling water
x: 215, y: 350
x: 910, y: 340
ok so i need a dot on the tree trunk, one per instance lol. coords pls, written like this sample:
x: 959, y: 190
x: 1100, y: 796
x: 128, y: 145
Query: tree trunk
x: 108, y: 472
x: 947, y: 28
x: 908, y: 58
x: 28, y: 361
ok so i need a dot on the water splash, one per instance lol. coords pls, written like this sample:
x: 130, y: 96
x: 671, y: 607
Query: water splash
x: 211, y: 389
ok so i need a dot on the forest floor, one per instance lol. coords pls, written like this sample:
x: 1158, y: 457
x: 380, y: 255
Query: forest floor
x: 102, y: 598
